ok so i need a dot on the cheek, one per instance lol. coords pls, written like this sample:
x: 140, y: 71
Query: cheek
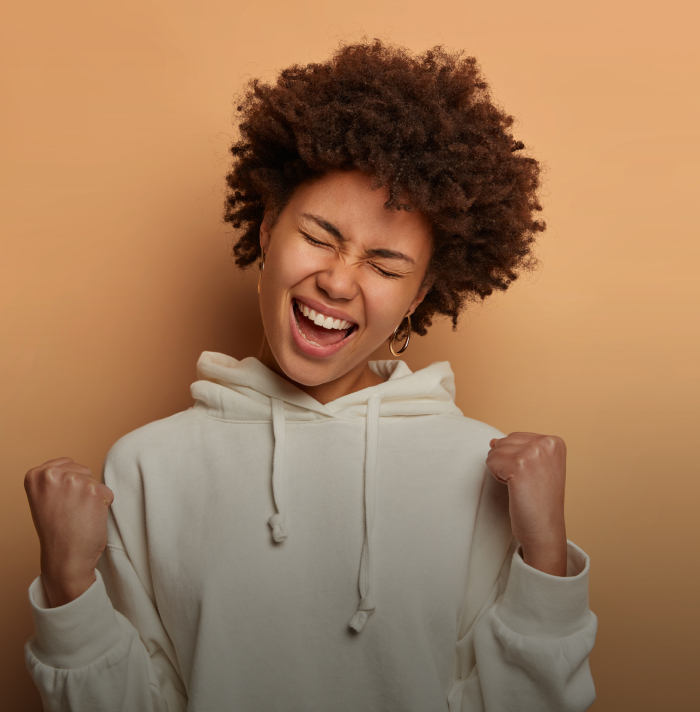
x: 298, y: 261
x: 292, y: 264
x: 384, y: 305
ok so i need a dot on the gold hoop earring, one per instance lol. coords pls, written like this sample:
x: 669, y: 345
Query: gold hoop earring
x: 408, y: 337
x: 262, y: 267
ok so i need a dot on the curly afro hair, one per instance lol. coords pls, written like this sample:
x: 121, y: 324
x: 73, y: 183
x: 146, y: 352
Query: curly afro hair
x: 425, y: 128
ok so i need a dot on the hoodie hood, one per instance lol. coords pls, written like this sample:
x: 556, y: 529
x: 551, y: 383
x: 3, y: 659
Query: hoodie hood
x: 247, y: 390
x: 249, y: 386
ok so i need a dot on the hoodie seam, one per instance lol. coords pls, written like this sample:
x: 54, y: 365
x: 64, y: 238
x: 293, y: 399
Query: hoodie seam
x: 320, y: 421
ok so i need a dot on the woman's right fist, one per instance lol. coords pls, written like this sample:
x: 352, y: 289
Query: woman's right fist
x: 69, y: 508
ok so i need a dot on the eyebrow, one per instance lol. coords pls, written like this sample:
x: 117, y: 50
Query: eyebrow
x: 330, y: 228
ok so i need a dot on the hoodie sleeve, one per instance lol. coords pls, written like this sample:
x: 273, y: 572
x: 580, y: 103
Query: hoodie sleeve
x: 106, y: 650
x: 526, y: 648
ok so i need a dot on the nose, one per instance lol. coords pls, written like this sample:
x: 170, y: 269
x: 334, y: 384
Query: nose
x: 338, y: 280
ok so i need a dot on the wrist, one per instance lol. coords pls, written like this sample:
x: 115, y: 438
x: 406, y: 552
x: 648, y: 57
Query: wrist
x: 549, y: 557
x: 62, y: 590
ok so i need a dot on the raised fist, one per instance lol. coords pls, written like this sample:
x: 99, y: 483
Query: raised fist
x: 69, y: 508
x: 533, y: 466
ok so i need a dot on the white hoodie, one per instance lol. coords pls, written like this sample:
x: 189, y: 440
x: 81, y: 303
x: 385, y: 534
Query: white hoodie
x: 269, y: 553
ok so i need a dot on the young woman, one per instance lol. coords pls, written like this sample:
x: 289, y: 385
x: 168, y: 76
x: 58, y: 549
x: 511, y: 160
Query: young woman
x: 320, y: 531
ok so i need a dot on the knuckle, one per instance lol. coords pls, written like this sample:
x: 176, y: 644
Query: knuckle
x: 52, y: 474
x: 549, y: 442
x: 74, y: 480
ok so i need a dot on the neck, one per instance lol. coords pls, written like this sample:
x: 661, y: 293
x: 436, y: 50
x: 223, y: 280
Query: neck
x: 362, y: 376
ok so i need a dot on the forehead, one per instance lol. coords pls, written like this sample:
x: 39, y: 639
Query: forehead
x: 346, y: 199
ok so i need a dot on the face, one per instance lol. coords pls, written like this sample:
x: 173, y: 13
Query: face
x: 341, y: 271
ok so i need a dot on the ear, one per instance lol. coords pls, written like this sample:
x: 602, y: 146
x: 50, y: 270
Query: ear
x: 265, y: 228
x: 419, y: 298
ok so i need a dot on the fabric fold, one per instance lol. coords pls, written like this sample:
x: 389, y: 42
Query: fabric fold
x: 540, y: 604
x: 74, y: 634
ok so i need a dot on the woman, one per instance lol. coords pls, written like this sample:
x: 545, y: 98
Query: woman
x: 321, y: 531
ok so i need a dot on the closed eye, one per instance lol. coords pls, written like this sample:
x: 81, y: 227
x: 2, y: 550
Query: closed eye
x: 310, y: 239
x: 386, y: 274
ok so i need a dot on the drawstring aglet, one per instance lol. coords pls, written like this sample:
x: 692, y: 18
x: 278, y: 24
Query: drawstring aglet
x: 365, y: 609
x: 279, y: 531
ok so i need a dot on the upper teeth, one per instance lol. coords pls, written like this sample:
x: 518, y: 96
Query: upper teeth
x: 327, y: 322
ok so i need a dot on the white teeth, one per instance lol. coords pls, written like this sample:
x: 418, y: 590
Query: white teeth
x: 327, y: 322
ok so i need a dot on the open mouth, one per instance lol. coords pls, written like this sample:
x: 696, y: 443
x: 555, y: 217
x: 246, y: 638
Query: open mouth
x: 319, y: 329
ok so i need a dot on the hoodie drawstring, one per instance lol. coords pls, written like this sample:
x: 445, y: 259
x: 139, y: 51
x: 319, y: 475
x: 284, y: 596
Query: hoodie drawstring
x: 367, y: 605
x: 277, y: 520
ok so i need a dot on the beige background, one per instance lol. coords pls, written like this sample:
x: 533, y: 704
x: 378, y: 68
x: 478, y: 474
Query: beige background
x: 116, y: 275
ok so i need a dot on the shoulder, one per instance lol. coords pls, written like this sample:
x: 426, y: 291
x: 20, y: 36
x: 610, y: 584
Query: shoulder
x: 470, y: 433
x: 472, y: 440
x: 478, y: 430
x: 130, y: 451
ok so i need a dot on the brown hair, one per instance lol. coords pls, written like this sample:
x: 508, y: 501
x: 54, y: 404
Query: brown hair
x: 425, y: 128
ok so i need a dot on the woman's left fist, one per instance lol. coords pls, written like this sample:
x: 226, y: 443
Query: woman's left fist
x: 534, y: 469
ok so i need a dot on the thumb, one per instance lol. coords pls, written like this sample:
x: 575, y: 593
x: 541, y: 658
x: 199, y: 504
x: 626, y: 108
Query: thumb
x: 108, y: 497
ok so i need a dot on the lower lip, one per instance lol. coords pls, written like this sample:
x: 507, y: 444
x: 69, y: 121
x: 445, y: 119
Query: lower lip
x: 311, y: 349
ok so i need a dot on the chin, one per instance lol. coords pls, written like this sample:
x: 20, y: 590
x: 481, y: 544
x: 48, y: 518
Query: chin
x: 306, y: 373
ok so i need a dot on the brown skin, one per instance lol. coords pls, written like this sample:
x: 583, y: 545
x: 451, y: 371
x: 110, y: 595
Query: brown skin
x: 340, y: 275
x: 70, y: 507
x: 533, y: 467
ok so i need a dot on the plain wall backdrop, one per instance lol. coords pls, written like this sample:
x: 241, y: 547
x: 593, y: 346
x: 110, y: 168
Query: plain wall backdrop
x: 117, y: 274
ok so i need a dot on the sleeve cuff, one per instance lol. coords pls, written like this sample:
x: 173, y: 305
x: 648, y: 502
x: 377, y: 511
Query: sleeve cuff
x: 542, y: 605
x: 75, y: 634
